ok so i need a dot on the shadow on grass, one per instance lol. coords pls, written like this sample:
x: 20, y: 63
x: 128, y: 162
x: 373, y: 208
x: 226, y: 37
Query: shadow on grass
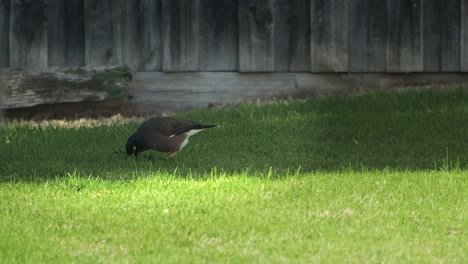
x: 399, y: 131
x: 416, y: 130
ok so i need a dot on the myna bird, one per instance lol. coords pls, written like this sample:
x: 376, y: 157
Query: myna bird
x: 164, y: 134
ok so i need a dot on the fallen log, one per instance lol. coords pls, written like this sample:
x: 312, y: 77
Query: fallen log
x: 22, y: 88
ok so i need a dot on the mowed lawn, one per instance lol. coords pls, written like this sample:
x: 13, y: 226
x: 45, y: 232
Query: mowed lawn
x: 371, y: 178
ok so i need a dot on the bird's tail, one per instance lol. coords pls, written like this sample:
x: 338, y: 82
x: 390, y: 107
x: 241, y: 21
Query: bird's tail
x: 200, y: 126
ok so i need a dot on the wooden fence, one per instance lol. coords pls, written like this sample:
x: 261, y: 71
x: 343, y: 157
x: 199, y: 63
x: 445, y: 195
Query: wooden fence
x: 352, y: 36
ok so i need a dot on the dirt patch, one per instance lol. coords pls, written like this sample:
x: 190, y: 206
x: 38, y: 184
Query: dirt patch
x: 89, y: 110
x: 80, y: 122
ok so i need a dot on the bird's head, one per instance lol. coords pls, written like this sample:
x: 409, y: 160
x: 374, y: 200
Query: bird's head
x: 132, y: 146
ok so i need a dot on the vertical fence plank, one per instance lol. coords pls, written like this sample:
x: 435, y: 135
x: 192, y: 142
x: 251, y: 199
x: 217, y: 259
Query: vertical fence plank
x: 75, y: 35
x: 404, y: 45
x: 103, y: 41
x: 464, y: 38
x: 4, y: 33
x: 451, y: 37
x: 292, y: 35
x: 142, y: 34
x: 329, y: 40
x: 28, y: 34
x: 218, y: 37
x: 65, y: 30
x: 442, y: 39
x: 180, y: 35
x: 432, y: 47
x: 56, y: 31
x: 256, y: 26
x: 368, y: 35
x: 274, y: 35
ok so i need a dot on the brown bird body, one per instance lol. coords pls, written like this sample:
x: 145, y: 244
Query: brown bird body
x: 163, y: 134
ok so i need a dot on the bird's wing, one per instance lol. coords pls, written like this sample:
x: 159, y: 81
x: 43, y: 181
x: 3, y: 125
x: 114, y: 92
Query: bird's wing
x: 167, y: 126
x: 179, y: 126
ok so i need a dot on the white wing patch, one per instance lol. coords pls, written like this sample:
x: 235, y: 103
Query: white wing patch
x: 193, y: 132
x: 188, y: 134
x: 184, y: 143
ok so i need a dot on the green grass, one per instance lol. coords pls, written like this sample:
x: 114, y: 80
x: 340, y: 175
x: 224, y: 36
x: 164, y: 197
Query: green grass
x: 374, y: 178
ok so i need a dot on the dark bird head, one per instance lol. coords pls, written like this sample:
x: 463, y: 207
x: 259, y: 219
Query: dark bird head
x: 133, y: 145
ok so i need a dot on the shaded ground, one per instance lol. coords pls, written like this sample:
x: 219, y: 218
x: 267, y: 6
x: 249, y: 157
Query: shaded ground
x: 422, y: 130
x: 69, y: 111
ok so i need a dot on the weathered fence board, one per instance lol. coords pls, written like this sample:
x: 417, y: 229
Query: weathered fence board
x: 442, y: 36
x: 450, y: 36
x: 28, y: 34
x: 218, y: 37
x: 103, y: 40
x: 292, y: 36
x: 200, y: 35
x: 329, y: 40
x: 464, y: 37
x: 274, y: 35
x: 180, y: 35
x: 25, y: 88
x: 405, y: 27
x: 432, y: 47
x: 4, y: 33
x: 179, y: 91
x: 142, y: 33
x: 243, y: 35
x: 368, y: 36
x: 256, y: 28
x: 65, y: 28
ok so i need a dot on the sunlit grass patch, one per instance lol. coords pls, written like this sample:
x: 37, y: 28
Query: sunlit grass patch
x: 340, y: 216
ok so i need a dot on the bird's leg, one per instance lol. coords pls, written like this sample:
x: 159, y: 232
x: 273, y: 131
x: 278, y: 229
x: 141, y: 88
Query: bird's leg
x: 172, y: 154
